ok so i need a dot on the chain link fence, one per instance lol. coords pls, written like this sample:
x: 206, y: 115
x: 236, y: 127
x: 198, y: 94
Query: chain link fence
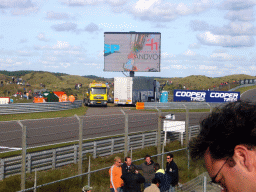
x: 70, y: 131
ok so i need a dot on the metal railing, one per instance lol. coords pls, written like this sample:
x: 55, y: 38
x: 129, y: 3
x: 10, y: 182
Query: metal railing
x: 38, y: 107
x: 55, y: 158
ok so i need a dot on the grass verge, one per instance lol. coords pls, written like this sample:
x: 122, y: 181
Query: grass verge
x: 100, y: 180
x: 243, y: 89
x: 41, y: 115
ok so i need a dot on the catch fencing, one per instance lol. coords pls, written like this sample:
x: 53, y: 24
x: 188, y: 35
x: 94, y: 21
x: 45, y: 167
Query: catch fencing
x: 27, y: 134
x: 55, y: 158
x: 17, y: 108
x: 199, y: 184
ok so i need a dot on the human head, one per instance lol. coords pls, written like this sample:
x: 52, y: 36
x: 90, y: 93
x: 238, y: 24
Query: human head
x: 156, y: 166
x: 228, y: 138
x: 147, y: 159
x: 169, y: 157
x: 118, y: 161
x: 128, y: 161
x: 156, y: 181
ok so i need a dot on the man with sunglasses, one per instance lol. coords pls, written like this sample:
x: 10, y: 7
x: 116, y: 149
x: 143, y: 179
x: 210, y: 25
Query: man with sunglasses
x: 227, y: 142
x: 172, y: 170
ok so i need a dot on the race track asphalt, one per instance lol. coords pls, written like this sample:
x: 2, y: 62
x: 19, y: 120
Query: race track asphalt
x: 98, y: 122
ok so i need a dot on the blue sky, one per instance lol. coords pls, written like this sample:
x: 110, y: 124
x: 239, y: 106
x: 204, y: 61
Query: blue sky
x: 202, y: 37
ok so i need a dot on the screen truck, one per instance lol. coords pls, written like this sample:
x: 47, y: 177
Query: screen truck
x: 130, y: 90
x: 97, y: 94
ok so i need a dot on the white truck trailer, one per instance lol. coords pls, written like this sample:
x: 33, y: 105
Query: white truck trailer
x: 130, y: 90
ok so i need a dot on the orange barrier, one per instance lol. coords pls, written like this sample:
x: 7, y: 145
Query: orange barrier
x: 139, y: 105
x: 38, y: 100
x: 64, y: 98
x: 71, y: 98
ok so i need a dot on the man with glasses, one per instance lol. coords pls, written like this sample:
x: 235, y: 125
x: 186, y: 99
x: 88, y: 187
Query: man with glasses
x: 227, y: 143
x: 172, y: 170
x: 115, y: 173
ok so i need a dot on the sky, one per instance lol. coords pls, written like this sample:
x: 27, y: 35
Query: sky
x: 201, y: 37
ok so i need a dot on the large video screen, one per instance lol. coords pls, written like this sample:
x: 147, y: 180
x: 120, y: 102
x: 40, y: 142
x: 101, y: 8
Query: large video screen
x: 132, y: 51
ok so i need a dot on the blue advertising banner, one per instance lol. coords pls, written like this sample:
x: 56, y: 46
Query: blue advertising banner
x: 207, y: 96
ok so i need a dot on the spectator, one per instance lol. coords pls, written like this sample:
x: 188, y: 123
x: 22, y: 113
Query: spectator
x: 126, y: 165
x: 172, y: 170
x: 227, y: 142
x: 154, y: 187
x: 132, y: 180
x: 148, y: 170
x: 163, y: 177
x: 115, y: 173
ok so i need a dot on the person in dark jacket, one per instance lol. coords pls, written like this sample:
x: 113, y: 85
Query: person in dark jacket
x: 172, y: 170
x: 148, y: 170
x: 163, y: 177
x: 126, y: 165
x: 132, y: 180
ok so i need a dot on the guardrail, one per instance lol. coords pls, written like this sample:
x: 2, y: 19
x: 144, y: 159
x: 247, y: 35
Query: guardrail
x: 54, y: 158
x: 182, y: 105
x: 38, y: 107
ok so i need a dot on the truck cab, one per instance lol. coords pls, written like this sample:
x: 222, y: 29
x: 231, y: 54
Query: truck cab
x: 97, y: 95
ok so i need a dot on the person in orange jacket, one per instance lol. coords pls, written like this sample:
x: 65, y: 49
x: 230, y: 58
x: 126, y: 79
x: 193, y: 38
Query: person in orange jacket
x: 115, y: 173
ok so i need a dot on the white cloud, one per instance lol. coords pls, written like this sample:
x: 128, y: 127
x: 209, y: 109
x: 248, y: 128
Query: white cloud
x: 237, y: 4
x: 189, y: 53
x: 224, y: 57
x: 81, y: 2
x: 60, y: 45
x: 41, y: 37
x: 92, y: 27
x: 240, y: 15
x: 178, y: 67
x: 208, y: 38
x: 67, y: 26
x: 160, y: 10
x: 206, y: 67
x: 57, y: 16
x: 194, y: 46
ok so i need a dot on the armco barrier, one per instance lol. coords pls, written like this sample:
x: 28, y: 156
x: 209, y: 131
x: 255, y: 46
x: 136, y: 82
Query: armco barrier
x: 38, y: 107
x: 181, y: 105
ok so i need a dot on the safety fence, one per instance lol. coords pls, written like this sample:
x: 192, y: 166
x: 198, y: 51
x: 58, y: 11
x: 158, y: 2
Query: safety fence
x: 181, y: 105
x: 17, y: 108
x: 27, y: 134
x: 199, y: 184
x: 55, y: 158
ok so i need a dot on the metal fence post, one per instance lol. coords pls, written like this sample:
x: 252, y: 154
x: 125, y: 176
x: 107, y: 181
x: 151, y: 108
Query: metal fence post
x: 163, y: 157
x: 112, y: 146
x: 2, y: 169
x: 35, y: 182
x: 210, y: 107
x: 159, y: 134
x: 187, y: 131
x: 53, y: 158
x: 143, y: 140
x: 23, y: 160
x: 131, y: 153
x: 29, y: 163
x: 89, y: 171
x: 125, y: 134
x: 204, y: 184
x: 94, y: 149
x: 75, y: 154
x: 80, y: 154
